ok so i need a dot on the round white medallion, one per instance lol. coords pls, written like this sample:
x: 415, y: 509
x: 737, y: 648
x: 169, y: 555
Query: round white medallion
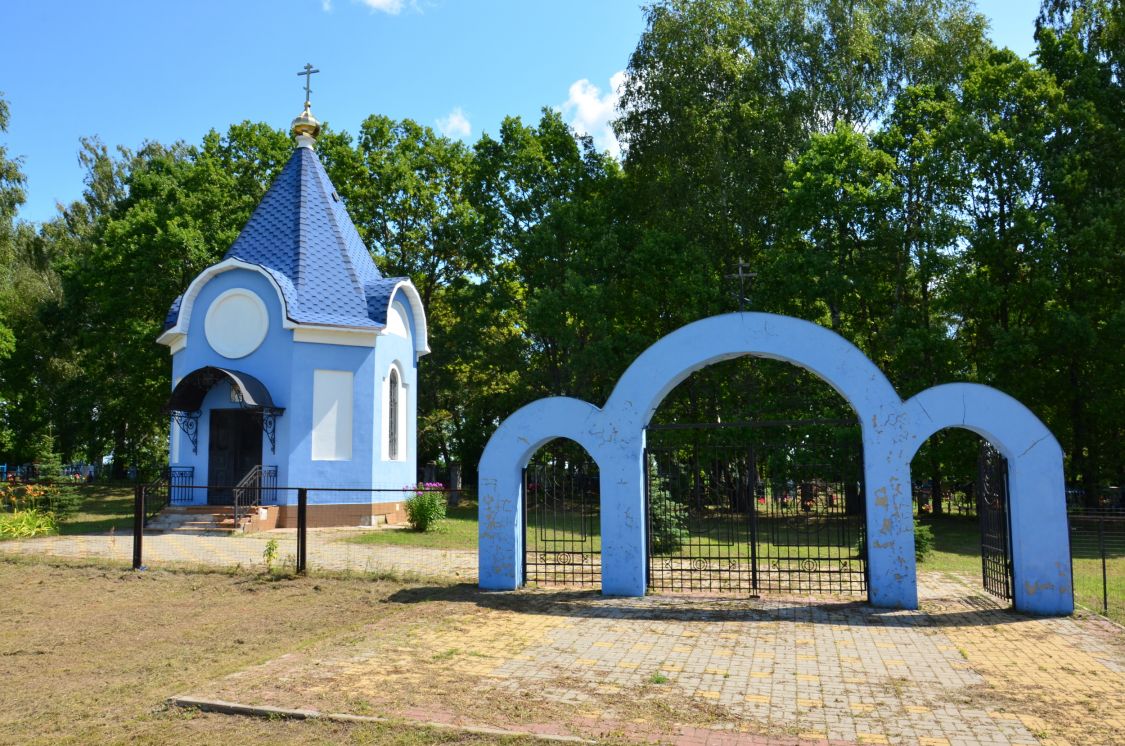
x: 236, y: 323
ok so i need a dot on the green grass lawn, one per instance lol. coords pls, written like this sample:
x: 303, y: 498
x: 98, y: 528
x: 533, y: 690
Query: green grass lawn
x: 103, y: 508
x: 957, y: 549
x: 956, y: 545
x: 457, y: 531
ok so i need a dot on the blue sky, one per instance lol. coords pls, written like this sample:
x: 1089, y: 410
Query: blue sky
x: 129, y: 70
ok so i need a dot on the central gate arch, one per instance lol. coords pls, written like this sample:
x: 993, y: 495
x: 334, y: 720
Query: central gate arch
x: 614, y: 435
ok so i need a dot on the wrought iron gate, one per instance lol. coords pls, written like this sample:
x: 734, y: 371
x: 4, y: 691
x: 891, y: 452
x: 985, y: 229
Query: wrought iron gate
x: 562, y: 518
x: 752, y: 508
x: 992, y: 507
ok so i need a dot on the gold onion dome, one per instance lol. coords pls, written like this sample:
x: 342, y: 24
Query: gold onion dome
x: 305, y: 124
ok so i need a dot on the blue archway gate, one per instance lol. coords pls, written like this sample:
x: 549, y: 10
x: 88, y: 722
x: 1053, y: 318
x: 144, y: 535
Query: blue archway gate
x: 756, y: 507
x: 893, y: 430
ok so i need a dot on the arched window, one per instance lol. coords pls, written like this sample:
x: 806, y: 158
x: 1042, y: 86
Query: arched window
x: 392, y: 416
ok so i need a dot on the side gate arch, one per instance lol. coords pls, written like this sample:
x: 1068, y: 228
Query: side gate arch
x: 891, y: 432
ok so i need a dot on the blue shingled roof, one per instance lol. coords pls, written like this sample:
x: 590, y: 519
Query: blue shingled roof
x: 302, y: 236
x: 173, y: 312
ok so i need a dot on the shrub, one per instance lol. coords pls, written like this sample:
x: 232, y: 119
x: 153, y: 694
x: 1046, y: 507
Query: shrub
x: 923, y: 541
x: 24, y: 524
x: 426, y: 507
x: 269, y: 554
x: 61, y: 500
x: 666, y: 521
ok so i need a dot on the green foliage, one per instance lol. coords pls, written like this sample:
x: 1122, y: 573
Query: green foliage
x: 269, y: 554
x: 26, y: 524
x: 923, y: 540
x: 47, y: 460
x: 60, y: 500
x: 883, y: 170
x: 666, y: 516
x: 425, y: 509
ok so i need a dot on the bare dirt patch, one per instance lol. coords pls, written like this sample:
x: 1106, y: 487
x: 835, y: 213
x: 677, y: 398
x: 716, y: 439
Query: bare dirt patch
x: 90, y: 654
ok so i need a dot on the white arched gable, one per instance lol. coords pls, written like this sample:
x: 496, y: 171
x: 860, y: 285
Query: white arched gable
x: 397, y: 325
x: 405, y: 290
x: 174, y: 337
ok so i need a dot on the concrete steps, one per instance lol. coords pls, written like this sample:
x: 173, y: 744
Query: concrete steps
x: 203, y: 520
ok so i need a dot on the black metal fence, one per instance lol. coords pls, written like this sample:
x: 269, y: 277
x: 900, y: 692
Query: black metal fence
x: 1097, y: 551
x: 298, y: 529
x: 756, y: 508
x: 562, y: 518
x: 995, y: 522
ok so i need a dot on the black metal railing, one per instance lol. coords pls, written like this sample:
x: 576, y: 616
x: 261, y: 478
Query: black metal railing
x: 995, y: 516
x: 179, y: 479
x: 258, y: 487
x: 1097, y: 551
x: 562, y: 519
x: 156, y: 495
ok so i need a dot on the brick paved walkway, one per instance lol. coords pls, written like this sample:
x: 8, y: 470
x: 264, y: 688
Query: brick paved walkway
x: 327, y: 550
x: 692, y: 670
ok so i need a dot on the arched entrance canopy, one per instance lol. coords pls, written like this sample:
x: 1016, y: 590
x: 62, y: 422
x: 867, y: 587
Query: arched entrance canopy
x: 189, y: 392
x: 892, y: 431
x: 187, y: 397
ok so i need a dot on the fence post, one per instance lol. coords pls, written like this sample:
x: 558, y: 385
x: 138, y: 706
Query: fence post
x: 138, y: 524
x: 1101, y: 550
x: 454, y: 485
x: 302, y: 528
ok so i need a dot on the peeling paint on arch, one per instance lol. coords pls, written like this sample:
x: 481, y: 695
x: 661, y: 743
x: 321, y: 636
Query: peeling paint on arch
x: 892, y: 432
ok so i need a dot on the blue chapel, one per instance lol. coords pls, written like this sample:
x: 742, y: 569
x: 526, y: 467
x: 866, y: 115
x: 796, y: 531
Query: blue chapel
x: 295, y: 361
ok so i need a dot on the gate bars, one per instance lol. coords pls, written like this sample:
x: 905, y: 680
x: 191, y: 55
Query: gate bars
x: 757, y: 509
x: 995, y: 529
x: 562, y: 520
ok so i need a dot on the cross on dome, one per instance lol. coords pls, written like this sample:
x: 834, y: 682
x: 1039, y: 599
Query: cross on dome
x: 305, y: 127
x: 308, y: 72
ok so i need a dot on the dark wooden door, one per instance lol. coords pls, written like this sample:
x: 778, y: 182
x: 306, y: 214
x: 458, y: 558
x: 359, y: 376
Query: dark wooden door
x: 235, y: 448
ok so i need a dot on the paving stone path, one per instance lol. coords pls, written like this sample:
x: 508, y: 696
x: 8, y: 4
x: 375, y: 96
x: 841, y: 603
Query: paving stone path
x: 683, y: 669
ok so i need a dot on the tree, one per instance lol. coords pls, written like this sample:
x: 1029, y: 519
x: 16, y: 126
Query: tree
x: 11, y: 186
x: 1082, y: 46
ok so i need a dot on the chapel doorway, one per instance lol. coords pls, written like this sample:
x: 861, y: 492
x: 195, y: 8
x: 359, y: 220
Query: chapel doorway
x: 235, y: 448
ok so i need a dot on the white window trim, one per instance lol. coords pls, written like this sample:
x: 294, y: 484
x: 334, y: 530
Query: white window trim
x: 403, y: 419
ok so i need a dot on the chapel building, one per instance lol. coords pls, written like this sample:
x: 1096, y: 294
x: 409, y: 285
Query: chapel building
x: 295, y: 363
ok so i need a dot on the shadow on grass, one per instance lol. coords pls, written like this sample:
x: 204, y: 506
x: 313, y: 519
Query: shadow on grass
x: 103, y: 509
x: 967, y: 610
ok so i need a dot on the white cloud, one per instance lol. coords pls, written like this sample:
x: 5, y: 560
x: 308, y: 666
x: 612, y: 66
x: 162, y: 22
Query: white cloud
x: 591, y: 112
x: 456, y: 124
x: 391, y: 7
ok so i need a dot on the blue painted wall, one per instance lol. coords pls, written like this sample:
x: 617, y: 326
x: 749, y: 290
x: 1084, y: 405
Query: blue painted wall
x: 286, y: 368
x: 398, y: 351
x: 270, y: 364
